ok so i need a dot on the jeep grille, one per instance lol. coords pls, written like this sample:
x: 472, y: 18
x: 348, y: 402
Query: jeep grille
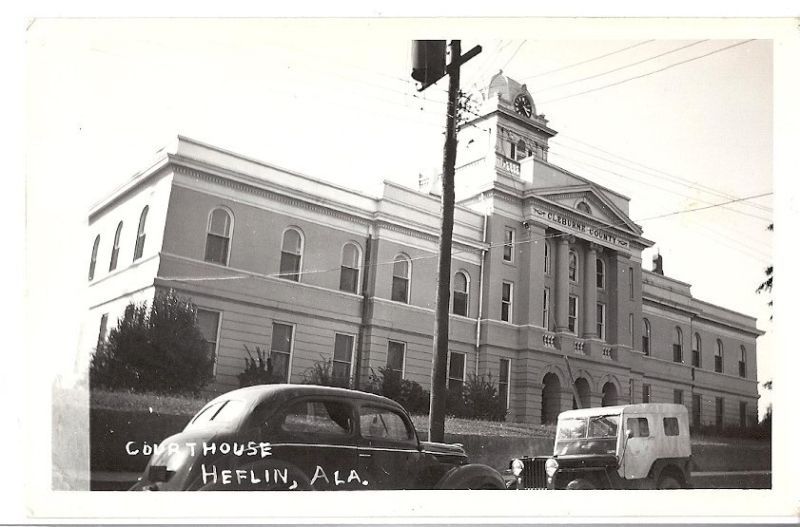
x: 533, y: 475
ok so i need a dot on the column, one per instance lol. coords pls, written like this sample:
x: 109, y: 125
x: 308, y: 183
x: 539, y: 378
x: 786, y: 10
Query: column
x: 590, y: 293
x: 562, y: 283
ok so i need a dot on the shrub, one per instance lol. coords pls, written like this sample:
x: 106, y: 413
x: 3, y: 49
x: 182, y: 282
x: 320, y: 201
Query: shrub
x: 410, y: 394
x: 159, y: 349
x: 322, y: 374
x: 257, y: 368
x: 477, y: 399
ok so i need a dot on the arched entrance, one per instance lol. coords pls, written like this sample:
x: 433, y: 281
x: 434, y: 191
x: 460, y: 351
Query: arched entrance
x: 582, y: 387
x: 610, y: 394
x: 551, y: 398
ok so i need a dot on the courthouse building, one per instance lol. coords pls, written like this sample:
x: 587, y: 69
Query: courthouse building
x: 546, y: 264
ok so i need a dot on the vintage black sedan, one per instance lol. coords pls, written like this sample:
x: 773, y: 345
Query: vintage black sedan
x: 303, y: 437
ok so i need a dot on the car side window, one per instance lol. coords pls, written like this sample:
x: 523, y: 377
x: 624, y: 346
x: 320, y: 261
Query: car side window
x: 671, y: 426
x: 638, y: 426
x: 311, y: 418
x: 381, y: 423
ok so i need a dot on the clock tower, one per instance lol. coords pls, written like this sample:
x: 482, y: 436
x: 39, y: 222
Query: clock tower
x: 507, y: 118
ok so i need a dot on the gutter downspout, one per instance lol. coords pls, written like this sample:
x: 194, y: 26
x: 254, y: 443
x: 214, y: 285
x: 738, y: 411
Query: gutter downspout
x: 480, y: 300
x: 365, y: 298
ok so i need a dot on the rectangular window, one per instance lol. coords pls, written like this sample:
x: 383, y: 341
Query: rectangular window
x: 101, y: 336
x: 697, y: 409
x: 601, y: 321
x: 460, y: 303
x: 573, y: 314
x: 677, y: 353
x: 645, y: 393
x: 638, y: 426
x: 208, y: 323
x: 396, y: 357
x: 677, y: 396
x: 455, y: 371
x: 546, y: 258
x: 342, y: 359
x: 695, y: 357
x: 508, y: 247
x: 281, y: 350
x: 718, y: 363
x: 503, y: 384
x: 720, y: 407
x: 671, y: 427
x: 742, y: 414
x: 507, y: 302
x: 290, y: 266
x: 348, y: 279
x: 742, y: 369
x: 630, y: 327
x: 216, y: 249
x: 546, y: 309
x: 630, y: 282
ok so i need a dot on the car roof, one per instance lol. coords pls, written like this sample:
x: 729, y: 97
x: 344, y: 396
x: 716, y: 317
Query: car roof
x: 642, y: 408
x: 280, y: 393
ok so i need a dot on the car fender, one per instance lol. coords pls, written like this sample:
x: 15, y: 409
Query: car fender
x: 472, y: 476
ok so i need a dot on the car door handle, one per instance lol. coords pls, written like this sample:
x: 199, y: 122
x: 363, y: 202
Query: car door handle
x: 364, y: 455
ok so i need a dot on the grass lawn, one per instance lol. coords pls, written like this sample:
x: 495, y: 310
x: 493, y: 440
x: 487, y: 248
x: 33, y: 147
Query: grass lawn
x: 187, y: 405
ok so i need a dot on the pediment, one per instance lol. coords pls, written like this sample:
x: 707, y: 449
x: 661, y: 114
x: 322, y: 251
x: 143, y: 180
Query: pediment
x: 588, y: 201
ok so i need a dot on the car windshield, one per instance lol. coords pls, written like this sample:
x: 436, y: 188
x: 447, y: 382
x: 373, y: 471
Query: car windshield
x: 587, y: 435
x: 219, y: 413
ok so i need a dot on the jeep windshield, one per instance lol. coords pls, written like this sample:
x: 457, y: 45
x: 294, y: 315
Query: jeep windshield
x: 587, y: 435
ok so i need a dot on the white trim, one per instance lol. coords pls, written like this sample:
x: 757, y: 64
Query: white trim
x: 352, y: 352
x: 508, y: 381
x: 408, y: 276
x: 230, y: 233
x: 359, y: 266
x: 302, y: 251
x: 602, y: 335
x: 577, y: 315
x: 405, y: 348
x: 219, y: 332
x: 513, y: 231
x: 468, y: 282
x: 450, y: 354
x: 510, y: 301
x: 291, y: 344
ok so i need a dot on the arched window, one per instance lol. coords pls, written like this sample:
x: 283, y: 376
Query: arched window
x: 351, y: 260
x: 573, y: 266
x: 93, y: 260
x: 697, y: 350
x: 584, y: 207
x: 218, y: 237
x: 461, y: 294
x: 742, y: 362
x: 139, y: 249
x: 718, y: 354
x: 115, y: 249
x: 521, y: 150
x: 291, y: 254
x: 646, y: 336
x: 601, y: 274
x: 401, y: 279
x: 546, y: 257
x: 677, y: 345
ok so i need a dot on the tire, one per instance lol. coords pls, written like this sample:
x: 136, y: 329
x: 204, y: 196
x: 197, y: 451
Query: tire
x: 668, y: 483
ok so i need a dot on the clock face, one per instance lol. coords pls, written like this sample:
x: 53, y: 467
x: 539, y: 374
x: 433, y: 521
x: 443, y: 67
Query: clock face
x: 522, y: 105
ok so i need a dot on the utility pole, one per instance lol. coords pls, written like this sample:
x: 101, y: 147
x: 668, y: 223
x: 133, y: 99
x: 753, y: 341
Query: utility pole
x: 441, y: 325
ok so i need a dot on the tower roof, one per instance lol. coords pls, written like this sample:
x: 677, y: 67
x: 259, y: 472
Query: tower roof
x: 507, y: 88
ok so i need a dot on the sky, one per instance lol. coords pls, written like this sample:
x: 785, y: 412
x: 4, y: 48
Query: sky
x: 335, y: 100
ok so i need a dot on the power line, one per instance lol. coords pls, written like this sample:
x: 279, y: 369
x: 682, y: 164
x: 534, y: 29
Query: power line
x: 620, y: 68
x: 587, y: 60
x: 513, y: 54
x: 649, y: 73
x: 666, y: 189
x: 489, y: 247
x: 687, y: 182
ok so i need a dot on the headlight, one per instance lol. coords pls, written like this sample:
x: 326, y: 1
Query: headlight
x: 516, y: 467
x: 550, y: 467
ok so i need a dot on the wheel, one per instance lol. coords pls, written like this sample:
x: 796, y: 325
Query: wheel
x: 669, y: 482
